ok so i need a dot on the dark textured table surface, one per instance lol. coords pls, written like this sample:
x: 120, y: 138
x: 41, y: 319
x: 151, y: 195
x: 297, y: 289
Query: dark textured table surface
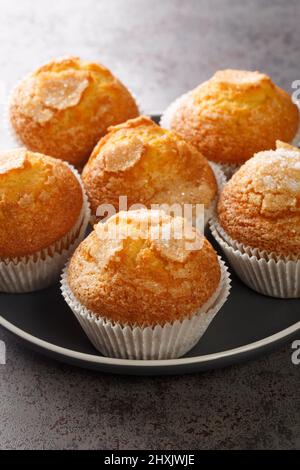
x: 160, y: 49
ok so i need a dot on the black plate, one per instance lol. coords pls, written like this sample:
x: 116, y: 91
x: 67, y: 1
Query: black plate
x: 247, y: 325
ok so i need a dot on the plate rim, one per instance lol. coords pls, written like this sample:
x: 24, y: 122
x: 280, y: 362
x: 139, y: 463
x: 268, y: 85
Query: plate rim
x: 153, y: 363
x: 158, y: 364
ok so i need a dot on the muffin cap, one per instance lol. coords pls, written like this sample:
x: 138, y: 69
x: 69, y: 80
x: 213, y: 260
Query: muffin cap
x: 139, y: 278
x: 149, y: 165
x: 64, y: 107
x: 260, y: 205
x: 236, y: 114
x: 40, y: 201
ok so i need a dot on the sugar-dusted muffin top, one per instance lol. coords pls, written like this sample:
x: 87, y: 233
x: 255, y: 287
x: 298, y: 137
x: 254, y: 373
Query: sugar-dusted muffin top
x: 129, y: 270
x: 236, y: 114
x: 260, y: 205
x: 64, y: 107
x: 40, y: 201
x: 149, y: 165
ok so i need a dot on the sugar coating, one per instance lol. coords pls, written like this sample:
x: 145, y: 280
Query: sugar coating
x: 40, y: 96
x: 140, y: 279
x: 64, y: 107
x: 11, y: 160
x: 124, y: 156
x: 275, y: 171
x: 62, y: 91
x: 169, y: 235
x: 149, y: 165
x: 260, y: 205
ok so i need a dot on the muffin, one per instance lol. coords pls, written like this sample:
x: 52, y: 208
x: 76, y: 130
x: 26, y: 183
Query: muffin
x: 64, y: 107
x: 43, y: 216
x: 234, y: 115
x: 143, y: 285
x: 259, y: 221
x: 150, y: 166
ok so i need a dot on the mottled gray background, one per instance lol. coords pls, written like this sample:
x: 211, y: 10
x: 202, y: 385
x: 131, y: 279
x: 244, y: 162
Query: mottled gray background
x: 160, y: 48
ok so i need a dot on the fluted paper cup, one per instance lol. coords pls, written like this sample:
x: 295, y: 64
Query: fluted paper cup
x: 167, y: 341
x: 266, y: 273
x: 229, y: 169
x: 221, y: 181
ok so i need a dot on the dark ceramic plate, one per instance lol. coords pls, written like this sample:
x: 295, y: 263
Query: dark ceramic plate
x: 249, y: 324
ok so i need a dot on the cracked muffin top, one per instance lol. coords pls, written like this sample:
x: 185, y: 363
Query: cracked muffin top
x: 149, y: 165
x: 144, y: 268
x: 40, y: 201
x: 260, y: 205
x: 234, y: 115
x: 64, y: 107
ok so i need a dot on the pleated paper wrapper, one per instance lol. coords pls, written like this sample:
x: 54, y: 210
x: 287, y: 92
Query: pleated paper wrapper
x: 266, y: 273
x: 159, y: 342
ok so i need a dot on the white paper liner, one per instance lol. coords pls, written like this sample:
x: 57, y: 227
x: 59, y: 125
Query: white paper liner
x: 266, y: 273
x: 158, y: 342
x: 221, y: 181
x: 37, y: 271
x: 229, y: 169
x: 220, y: 176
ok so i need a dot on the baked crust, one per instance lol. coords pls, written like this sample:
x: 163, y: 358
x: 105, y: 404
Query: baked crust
x: 236, y: 114
x: 64, y: 107
x: 140, y: 280
x: 149, y: 165
x: 284, y: 145
x: 260, y: 205
x: 40, y: 201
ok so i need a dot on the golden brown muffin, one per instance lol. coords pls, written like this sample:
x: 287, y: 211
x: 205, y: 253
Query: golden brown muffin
x: 40, y: 202
x: 64, y: 107
x: 234, y: 115
x: 260, y: 205
x: 139, y: 278
x: 149, y: 165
